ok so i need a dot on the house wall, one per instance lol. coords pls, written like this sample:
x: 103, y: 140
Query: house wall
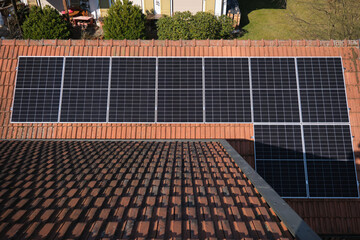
x: 193, y: 6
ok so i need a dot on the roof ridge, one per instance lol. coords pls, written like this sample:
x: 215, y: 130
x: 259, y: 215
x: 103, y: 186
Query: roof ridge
x: 182, y: 43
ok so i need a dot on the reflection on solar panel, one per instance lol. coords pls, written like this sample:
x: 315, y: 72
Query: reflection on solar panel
x: 286, y: 177
x: 37, y: 90
x: 298, y: 106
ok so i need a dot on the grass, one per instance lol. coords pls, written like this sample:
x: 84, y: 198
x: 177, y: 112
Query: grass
x: 262, y: 19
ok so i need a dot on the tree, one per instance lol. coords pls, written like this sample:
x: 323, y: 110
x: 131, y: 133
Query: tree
x: 176, y: 27
x: 124, y: 21
x: 45, y: 23
x: 328, y: 19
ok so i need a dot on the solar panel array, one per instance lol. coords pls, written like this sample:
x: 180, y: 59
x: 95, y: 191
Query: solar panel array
x: 303, y: 144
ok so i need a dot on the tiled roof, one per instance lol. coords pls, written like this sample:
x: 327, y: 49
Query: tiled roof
x: 129, y: 189
x: 338, y: 217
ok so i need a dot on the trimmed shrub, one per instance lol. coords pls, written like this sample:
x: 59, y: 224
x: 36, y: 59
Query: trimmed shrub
x: 226, y: 26
x: 124, y: 21
x: 202, y: 25
x: 45, y: 23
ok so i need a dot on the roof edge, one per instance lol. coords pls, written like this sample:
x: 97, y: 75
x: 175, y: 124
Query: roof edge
x: 182, y: 43
x: 296, y: 225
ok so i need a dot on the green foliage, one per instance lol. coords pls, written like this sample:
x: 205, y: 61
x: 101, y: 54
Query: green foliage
x: 204, y: 26
x: 45, y: 23
x: 184, y: 25
x: 226, y: 26
x: 124, y: 21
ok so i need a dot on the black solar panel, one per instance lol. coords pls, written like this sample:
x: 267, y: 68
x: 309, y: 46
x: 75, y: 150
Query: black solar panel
x: 177, y: 73
x: 278, y: 142
x: 275, y: 105
x: 227, y: 73
x: 84, y: 105
x: 324, y: 106
x: 328, y: 142
x: 36, y: 105
x: 320, y: 73
x: 132, y: 105
x: 332, y: 179
x: 39, y: 72
x: 180, y: 106
x: 273, y: 73
x: 86, y: 72
x: 286, y: 177
x: 228, y: 105
x: 133, y: 73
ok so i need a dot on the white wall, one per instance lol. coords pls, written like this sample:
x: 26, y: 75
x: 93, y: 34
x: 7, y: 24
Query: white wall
x: 193, y: 6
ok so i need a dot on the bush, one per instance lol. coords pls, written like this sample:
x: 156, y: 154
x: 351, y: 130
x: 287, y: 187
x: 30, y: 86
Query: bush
x: 176, y: 27
x: 45, y: 23
x: 202, y: 25
x: 226, y: 26
x: 124, y: 21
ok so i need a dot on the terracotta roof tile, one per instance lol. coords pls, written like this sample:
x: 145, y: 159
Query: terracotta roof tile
x: 64, y: 204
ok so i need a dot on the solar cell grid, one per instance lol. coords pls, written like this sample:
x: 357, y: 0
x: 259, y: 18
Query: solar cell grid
x: 133, y: 73
x: 84, y: 105
x: 274, y: 142
x: 332, y: 179
x: 180, y: 73
x: 36, y: 105
x: 324, y: 106
x: 329, y: 142
x: 227, y: 105
x: 227, y: 73
x: 275, y: 105
x: 180, y: 106
x: 320, y: 73
x: 273, y: 73
x: 86, y: 72
x: 132, y: 105
x: 286, y: 177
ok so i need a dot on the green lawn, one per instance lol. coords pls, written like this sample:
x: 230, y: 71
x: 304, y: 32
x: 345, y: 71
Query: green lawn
x: 262, y: 19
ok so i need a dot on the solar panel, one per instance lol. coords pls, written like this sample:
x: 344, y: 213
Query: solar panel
x: 36, y: 105
x: 133, y: 73
x: 324, y: 106
x: 332, y: 179
x: 180, y: 106
x: 286, y: 177
x: 228, y: 105
x: 274, y: 142
x: 273, y: 73
x: 227, y: 73
x: 320, y: 73
x: 88, y: 105
x: 39, y: 72
x: 86, y: 72
x: 279, y: 105
x: 37, y: 92
x: 328, y: 142
x: 180, y: 73
x: 131, y: 105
